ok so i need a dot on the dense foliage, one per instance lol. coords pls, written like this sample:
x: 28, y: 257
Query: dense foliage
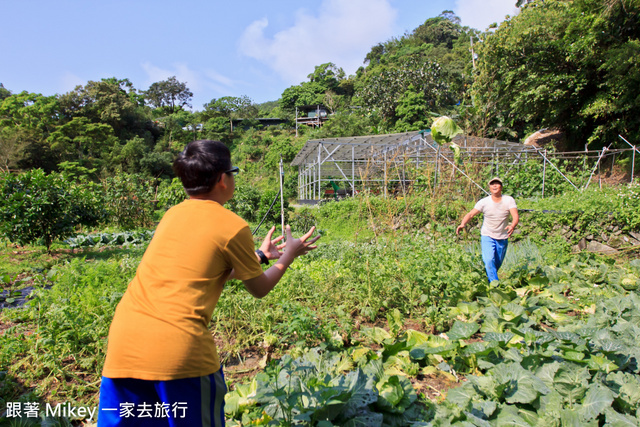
x: 391, y: 299
x: 561, y: 64
x: 571, y: 65
x: 36, y: 206
x: 377, y: 316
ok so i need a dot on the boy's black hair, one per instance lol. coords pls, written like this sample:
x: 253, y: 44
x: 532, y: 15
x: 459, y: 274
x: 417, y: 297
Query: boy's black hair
x: 201, y: 164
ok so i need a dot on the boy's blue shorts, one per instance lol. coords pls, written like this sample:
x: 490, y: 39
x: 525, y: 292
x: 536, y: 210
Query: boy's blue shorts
x: 189, y: 402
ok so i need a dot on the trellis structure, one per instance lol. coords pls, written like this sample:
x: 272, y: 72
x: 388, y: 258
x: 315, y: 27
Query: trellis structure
x: 344, y: 166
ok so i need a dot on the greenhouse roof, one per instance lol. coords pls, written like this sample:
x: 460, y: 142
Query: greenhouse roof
x: 364, y: 147
x: 358, y: 146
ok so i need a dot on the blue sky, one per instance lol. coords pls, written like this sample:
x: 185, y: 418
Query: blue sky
x: 219, y: 48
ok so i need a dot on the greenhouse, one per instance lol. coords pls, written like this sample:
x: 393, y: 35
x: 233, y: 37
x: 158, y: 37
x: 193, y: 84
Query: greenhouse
x: 339, y: 167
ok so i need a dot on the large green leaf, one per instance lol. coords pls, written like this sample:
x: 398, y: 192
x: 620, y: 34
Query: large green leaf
x: 574, y: 356
x: 503, y: 337
x: 571, y: 381
x: 415, y: 337
x: 378, y: 335
x: 421, y: 351
x: 510, y: 418
x: 627, y: 387
x: 462, y: 396
x: 547, y: 372
x: 476, y: 419
x: 602, y: 364
x: 365, y: 419
x: 362, y: 392
x: 488, y: 386
x: 525, y: 391
x: 571, y: 418
x: 522, y: 385
x: 479, y: 348
x: 511, y: 312
x: 462, y: 330
x: 616, y: 419
x: 484, y: 407
x: 551, y: 405
x: 598, y: 398
x: 610, y: 346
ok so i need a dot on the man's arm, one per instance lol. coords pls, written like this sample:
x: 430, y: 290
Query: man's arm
x: 466, y: 219
x: 515, y: 218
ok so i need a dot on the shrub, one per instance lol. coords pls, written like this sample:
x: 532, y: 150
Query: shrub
x: 128, y: 200
x: 245, y: 202
x: 170, y: 193
x: 37, y: 206
x: 253, y: 205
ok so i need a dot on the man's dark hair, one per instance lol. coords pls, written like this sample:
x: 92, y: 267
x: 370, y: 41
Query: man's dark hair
x: 201, y: 164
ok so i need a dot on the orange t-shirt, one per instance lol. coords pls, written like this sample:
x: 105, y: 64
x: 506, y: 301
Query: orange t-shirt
x: 159, y: 331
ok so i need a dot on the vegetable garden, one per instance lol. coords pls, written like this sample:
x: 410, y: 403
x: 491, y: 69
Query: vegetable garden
x: 389, y: 322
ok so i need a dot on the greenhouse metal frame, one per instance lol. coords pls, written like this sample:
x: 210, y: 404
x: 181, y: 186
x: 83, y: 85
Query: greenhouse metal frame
x: 351, y: 164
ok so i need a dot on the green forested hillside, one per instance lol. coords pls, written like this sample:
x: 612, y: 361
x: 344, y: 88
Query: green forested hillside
x: 566, y: 64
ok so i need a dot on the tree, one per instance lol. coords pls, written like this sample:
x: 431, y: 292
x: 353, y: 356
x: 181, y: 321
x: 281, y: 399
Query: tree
x: 230, y: 107
x: 443, y: 30
x: 28, y: 119
x: 4, y: 93
x: 30, y: 111
x: 346, y: 123
x: 326, y: 79
x: 412, y: 111
x: 10, y: 147
x: 126, y: 158
x: 434, y: 58
x: 374, y: 55
x: 81, y: 140
x: 327, y: 75
x: 158, y: 164
x: 381, y: 90
x: 111, y: 101
x: 179, y: 129
x: 308, y: 93
x: 521, y: 3
x: 35, y: 206
x: 169, y: 93
x: 572, y: 65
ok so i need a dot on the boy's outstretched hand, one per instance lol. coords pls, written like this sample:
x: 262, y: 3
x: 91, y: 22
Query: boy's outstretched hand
x: 270, y: 247
x: 300, y: 246
x: 262, y: 285
x: 273, y: 250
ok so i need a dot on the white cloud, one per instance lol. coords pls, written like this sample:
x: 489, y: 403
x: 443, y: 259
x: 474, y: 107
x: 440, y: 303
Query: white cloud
x: 338, y: 31
x: 479, y: 14
x: 69, y: 81
x: 221, y: 85
x: 179, y: 70
x: 219, y: 78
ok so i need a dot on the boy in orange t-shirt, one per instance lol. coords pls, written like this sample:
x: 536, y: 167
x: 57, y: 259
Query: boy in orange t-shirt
x: 162, y: 366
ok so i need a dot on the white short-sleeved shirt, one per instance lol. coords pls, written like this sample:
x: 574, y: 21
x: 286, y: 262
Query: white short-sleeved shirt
x: 496, y: 215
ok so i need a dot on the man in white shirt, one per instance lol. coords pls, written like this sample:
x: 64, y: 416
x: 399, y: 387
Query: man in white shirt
x: 495, y: 231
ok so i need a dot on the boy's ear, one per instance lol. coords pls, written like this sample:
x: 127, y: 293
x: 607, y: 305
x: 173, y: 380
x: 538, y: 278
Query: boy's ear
x: 222, y: 182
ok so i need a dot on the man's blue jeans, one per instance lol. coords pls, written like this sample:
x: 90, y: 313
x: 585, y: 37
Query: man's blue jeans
x: 493, y: 252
